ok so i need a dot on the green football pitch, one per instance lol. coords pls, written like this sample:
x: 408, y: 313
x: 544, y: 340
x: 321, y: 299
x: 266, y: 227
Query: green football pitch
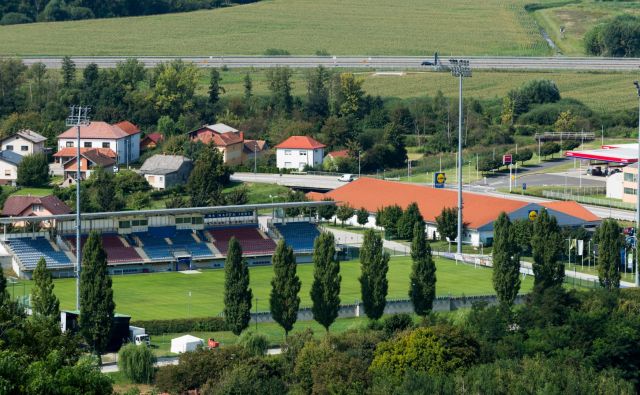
x: 178, y: 295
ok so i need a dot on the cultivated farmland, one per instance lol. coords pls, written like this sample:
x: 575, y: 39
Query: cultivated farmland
x: 358, y: 27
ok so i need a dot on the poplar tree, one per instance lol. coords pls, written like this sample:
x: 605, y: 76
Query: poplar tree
x: 325, y: 290
x: 43, y: 300
x: 248, y: 87
x: 68, y: 71
x: 285, y: 287
x: 374, y: 265
x: 609, y: 239
x: 546, y: 245
x: 506, y: 261
x: 237, y: 294
x: 422, y: 289
x: 4, y: 294
x: 96, y: 296
x: 215, y: 88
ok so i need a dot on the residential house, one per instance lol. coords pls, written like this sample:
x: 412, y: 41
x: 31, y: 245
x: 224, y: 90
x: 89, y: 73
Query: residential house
x: 253, y: 149
x: 34, y: 206
x: 226, y: 139
x: 151, y: 141
x: 123, y: 138
x: 89, y: 160
x: 331, y: 160
x: 298, y: 152
x: 9, y: 161
x: 166, y: 171
x: 24, y: 142
x: 478, y: 213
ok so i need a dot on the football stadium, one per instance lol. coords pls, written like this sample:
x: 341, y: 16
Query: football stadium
x: 160, y: 240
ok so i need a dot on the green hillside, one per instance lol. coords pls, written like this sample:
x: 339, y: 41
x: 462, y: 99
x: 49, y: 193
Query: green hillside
x: 372, y: 27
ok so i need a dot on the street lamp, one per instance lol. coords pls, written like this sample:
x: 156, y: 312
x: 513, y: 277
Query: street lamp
x: 637, y: 277
x: 460, y: 68
x: 78, y: 116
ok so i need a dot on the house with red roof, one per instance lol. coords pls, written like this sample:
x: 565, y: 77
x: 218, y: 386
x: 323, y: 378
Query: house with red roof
x: 89, y: 161
x: 151, y: 141
x: 226, y: 139
x: 298, y: 152
x: 34, y: 206
x: 123, y: 138
x: 479, y: 210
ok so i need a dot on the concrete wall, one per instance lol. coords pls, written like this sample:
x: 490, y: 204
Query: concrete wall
x: 394, y: 307
x: 615, y: 186
x: 298, y: 158
x: 18, y: 142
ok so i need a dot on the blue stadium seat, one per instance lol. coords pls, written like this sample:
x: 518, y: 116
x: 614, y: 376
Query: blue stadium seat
x: 299, y: 235
x: 29, y: 251
x: 156, y: 248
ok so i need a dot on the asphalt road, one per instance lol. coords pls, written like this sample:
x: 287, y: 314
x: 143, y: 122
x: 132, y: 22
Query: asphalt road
x: 291, y: 180
x: 377, y: 62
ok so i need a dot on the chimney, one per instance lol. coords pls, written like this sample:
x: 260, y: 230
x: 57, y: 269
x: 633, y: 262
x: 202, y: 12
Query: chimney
x: 242, y: 136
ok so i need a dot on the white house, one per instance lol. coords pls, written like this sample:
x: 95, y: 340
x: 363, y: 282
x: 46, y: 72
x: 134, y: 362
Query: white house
x: 296, y: 152
x: 24, y: 142
x: 123, y: 138
x: 9, y: 162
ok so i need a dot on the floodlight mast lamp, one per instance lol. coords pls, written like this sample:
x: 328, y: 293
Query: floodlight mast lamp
x: 460, y: 68
x: 637, y: 276
x: 78, y: 117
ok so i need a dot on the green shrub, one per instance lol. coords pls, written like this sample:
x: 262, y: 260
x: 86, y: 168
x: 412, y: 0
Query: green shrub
x: 159, y: 327
x: 396, y: 323
x: 276, y: 52
x: 136, y: 363
x: 254, y: 343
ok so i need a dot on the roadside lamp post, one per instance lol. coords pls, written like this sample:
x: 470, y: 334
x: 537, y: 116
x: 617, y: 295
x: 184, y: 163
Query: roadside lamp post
x: 460, y: 68
x: 637, y: 277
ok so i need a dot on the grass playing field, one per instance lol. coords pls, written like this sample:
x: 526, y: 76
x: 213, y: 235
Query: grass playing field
x: 367, y: 27
x: 177, y: 295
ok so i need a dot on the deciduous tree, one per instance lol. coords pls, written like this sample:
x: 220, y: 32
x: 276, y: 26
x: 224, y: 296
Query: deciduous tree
x: 447, y: 223
x: 374, y: 265
x: 362, y: 216
x: 237, y: 294
x: 506, y: 261
x: 410, y: 217
x: 96, y: 296
x: 422, y: 290
x: 285, y: 287
x: 33, y: 171
x: 208, y: 177
x: 325, y: 290
x: 344, y: 212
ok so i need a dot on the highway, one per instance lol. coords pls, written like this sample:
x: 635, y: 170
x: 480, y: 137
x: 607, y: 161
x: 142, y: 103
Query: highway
x: 374, y: 62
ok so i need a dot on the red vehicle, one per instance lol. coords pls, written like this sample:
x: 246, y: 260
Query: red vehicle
x: 212, y: 343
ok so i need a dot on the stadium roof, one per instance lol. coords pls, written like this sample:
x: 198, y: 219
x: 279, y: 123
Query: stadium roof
x: 478, y: 210
x: 619, y: 153
x: 169, y: 211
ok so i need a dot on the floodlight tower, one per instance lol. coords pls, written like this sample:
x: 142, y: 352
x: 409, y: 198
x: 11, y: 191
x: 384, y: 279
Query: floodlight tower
x: 460, y: 68
x: 637, y: 277
x: 78, y: 117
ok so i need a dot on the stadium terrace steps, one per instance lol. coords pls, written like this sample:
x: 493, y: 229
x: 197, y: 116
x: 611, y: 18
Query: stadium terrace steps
x: 29, y: 251
x: 249, y: 237
x: 116, y: 251
x: 299, y: 235
x: 160, y: 243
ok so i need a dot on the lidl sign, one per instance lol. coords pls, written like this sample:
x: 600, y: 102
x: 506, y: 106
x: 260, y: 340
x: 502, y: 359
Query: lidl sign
x: 439, y: 179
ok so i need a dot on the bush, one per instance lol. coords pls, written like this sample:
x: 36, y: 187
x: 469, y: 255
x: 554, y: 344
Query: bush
x: 33, y: 171
x: 14, y: 18
x: 254, y: 343
x: 159, y: 327
x: 136, y: 363
x: 276, y: 52
x: 619, y: 37
x: 396, y: 323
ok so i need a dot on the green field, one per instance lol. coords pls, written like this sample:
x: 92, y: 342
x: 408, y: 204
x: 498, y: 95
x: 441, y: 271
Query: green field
x: 578, y: 18
x: 366, y: 27
x: 600, y: 91
x: 166, y: 295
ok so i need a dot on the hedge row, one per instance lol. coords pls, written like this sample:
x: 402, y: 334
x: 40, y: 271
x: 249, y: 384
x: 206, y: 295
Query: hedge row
x: 159, y: 327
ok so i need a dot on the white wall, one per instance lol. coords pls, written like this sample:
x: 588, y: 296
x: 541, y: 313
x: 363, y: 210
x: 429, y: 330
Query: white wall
x: 298, y: 158
x: 156, y: 181
x: 8, y: 173
x: 18, y: 142
x: 615, y: 186
x: 120, y: 146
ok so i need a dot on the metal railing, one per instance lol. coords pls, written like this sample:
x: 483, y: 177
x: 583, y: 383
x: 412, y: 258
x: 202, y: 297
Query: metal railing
x: 588, y: 200
x: 557, y: 136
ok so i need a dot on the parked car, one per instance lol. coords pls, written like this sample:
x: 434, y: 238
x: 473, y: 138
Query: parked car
x: 595, y: 171
x: 346, y: 178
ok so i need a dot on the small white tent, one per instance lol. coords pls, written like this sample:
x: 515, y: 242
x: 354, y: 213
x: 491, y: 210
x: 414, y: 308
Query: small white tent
x: 185, y: 343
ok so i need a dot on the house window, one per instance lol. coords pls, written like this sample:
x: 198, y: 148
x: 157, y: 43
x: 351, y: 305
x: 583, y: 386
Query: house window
x: 303, y: 153
x: 106, y: 145
x: 629, y: 191
x: 629, y: 177
x: 37, y: 207
x: 69, y: 144
x: 7, y: 172
x: 9, y: 147
x: 87, y: 144
x: 287, y: 152
x: 24, y: 148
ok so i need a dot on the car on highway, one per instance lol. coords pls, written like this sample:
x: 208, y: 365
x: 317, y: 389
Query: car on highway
x: 426, y: 63
x: 346, y: 178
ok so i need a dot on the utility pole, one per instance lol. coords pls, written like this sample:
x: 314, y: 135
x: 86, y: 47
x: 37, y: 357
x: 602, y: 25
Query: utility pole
x: 78, y: 117
x: 359, y: 153
x: 637, y: 277
x: 460, y: 68
x: 255, y: 156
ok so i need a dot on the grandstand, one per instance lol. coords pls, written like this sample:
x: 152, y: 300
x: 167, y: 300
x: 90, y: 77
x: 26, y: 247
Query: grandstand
x: 162, y: 240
